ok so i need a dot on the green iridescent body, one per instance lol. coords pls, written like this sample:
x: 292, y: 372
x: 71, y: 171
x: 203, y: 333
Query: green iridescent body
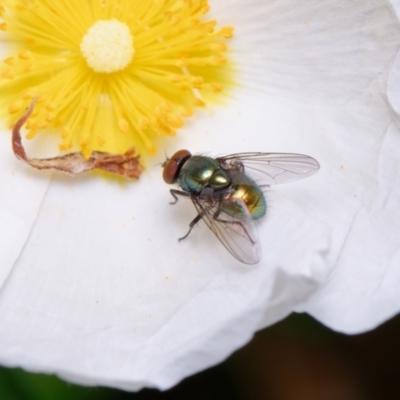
x: 200, y: 172
x: 247, y: 199
x: 240, y: 195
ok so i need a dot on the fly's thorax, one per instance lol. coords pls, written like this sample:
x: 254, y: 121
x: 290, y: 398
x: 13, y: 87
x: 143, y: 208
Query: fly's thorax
x: 200, y: 172
x: 246, y: 201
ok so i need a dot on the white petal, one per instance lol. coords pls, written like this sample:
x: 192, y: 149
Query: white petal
x: 311, y: 50
x: 105, y: 293
x: 362, y: 290
x: 20, y: 199
x: 342, y: 83
x: 393, y: 91
x: 396, y: 7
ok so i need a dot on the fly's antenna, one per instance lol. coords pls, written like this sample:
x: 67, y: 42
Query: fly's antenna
x: 162, y: 165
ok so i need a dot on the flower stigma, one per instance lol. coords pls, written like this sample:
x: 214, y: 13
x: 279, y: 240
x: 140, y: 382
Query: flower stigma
x: 108, y: 46
x: 110, y: 75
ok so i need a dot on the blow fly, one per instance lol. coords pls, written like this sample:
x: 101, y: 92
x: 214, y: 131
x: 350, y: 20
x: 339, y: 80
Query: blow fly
x: 227, y: 198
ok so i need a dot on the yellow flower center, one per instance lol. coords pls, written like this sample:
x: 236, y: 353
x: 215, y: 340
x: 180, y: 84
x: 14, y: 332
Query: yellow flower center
x: 111, y: 74
x: 108, y: 46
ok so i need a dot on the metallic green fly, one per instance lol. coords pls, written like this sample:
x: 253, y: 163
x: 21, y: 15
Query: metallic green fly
x: 227, y: 198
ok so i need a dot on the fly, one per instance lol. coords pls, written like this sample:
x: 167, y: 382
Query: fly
x: 227, y: 198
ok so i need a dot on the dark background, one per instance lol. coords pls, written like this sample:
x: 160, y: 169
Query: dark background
x: 296, y: 359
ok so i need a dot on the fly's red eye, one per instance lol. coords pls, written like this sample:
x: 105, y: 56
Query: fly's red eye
x: 173, y: 166
x: 170, y: 171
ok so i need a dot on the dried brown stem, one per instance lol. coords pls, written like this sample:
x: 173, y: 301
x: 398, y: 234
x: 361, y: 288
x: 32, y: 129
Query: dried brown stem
x: 126, y: 165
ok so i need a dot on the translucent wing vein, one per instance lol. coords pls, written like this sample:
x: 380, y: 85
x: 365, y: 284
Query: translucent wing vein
x: 272, y: 168
x: 239, y: 236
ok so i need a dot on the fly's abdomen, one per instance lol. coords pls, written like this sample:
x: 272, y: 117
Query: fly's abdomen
x: 247, y: 200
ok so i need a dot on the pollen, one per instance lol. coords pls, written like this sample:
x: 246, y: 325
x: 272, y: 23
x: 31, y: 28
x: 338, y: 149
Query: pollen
x: 111, y: 75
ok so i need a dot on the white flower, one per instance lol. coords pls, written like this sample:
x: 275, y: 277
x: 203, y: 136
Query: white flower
x: 96, y: 287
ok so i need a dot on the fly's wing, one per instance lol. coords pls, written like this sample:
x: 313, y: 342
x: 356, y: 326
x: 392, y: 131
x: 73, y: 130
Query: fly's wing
x: 272, y: 168
x: 239, y: 236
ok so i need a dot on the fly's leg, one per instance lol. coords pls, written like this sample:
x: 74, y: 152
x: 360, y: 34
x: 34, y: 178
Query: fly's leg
x: 216, y: 217
x: 192, y: 224
x: 175, y: 193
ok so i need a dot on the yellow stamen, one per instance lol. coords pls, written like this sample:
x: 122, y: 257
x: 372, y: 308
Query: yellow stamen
x: 123, y: 125
x: 25, y: 55
x: 15, y: 106
x: 111, y: 75
x: 31, y: 134
x: 9, y: 61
